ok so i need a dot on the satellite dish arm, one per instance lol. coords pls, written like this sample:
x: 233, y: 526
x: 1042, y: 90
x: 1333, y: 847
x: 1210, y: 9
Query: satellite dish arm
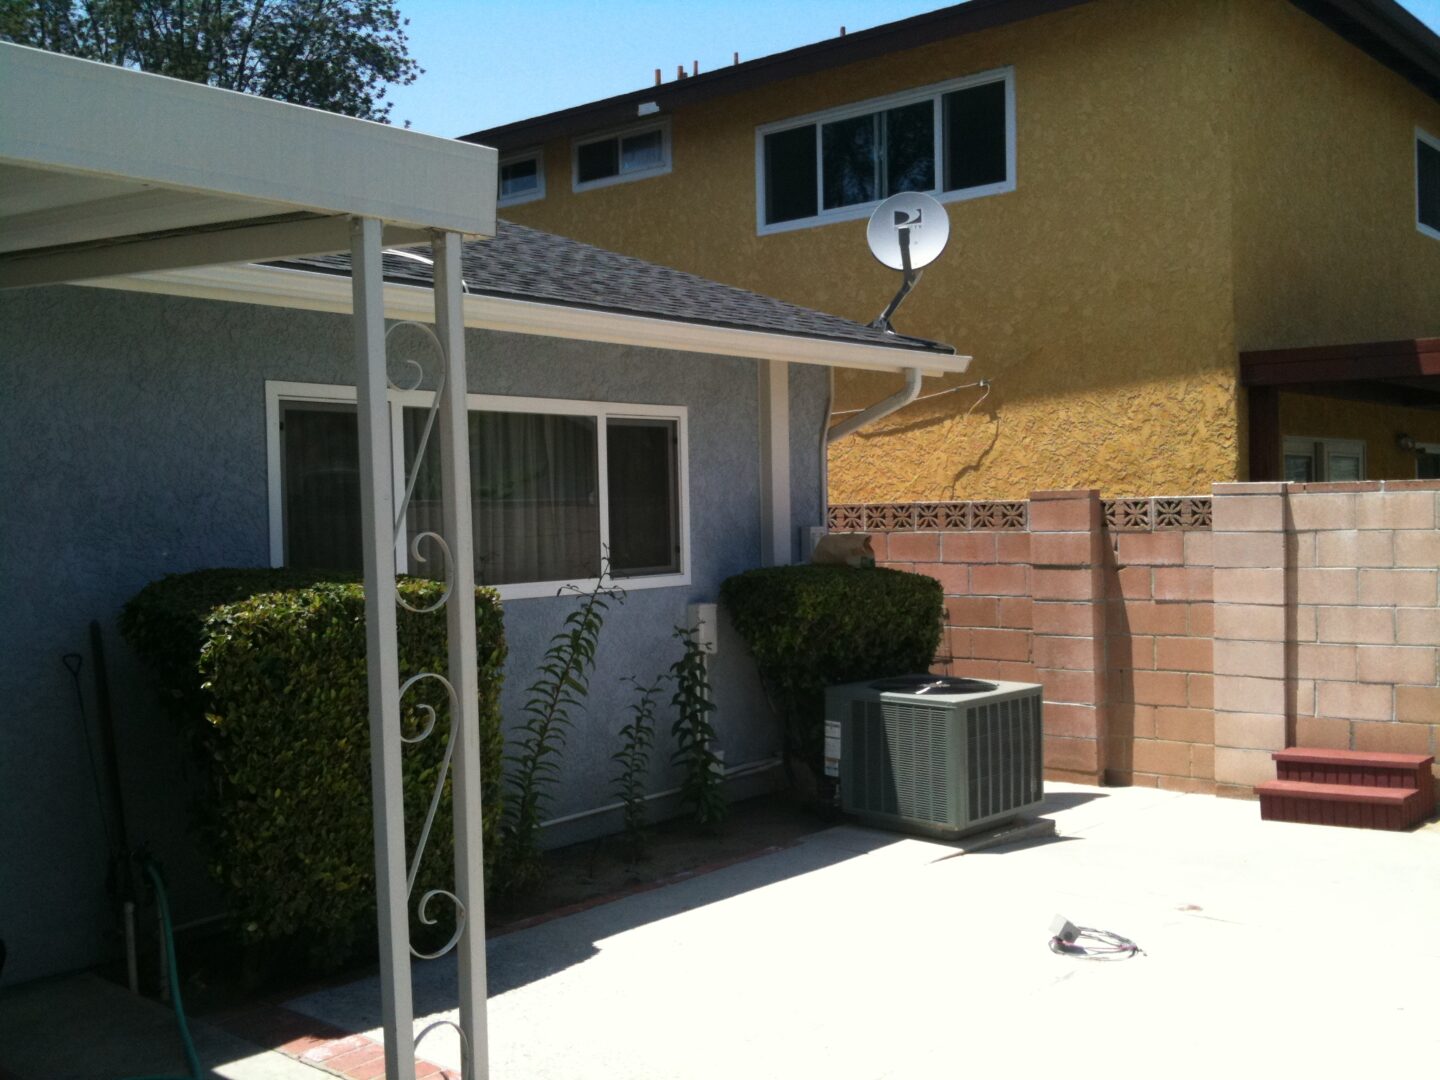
x: 912, y: 277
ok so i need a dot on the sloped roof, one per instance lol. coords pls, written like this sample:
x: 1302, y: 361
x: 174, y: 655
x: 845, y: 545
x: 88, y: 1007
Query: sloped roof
x: 526, y: 264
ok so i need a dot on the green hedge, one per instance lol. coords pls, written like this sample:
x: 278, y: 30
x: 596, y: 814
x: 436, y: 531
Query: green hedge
x: 810, y: 627
x: 266, y: 671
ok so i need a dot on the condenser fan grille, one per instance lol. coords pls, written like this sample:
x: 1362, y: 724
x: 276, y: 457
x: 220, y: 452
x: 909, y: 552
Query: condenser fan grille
x: 1004, y: 753
x: 905, y: 759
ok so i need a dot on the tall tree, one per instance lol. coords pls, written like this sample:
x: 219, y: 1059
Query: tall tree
x: 337, y: 55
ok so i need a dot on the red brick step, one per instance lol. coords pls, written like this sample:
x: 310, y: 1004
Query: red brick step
x: 1354, y: 805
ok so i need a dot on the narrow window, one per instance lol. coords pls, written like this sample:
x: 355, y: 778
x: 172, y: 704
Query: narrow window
x: 644, y: 496
x: 1427, y: 184
x: 320, y: 486
x: 790, y: 174
x: 625, y: 155
x: 975, y: 137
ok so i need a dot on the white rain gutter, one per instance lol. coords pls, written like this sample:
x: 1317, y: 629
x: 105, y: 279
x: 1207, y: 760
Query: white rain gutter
x: 883, y: 408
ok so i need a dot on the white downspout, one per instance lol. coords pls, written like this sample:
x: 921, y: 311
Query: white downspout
x: 880, y: 409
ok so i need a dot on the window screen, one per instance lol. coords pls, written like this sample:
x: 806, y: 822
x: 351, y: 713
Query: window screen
x: 1427, y: 184
x: 975, y: 137
x: 644, y: 496
x: 320, y: 486
x: 790, y: 174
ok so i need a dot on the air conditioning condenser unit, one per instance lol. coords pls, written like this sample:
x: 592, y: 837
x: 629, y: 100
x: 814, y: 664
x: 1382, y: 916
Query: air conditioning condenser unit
x: 936, y: 755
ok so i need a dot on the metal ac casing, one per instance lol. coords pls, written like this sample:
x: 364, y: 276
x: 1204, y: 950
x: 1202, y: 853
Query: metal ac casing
x: 938, y: 764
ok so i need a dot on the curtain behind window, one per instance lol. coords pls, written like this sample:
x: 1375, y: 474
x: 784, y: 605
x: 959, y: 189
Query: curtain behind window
x: 536, y: 505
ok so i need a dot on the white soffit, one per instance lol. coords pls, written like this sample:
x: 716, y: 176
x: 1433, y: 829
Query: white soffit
x: 281, y: 287
x: 107, y: 170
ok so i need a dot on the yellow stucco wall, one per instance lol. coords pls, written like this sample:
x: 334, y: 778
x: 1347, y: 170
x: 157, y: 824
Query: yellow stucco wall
x: 1377, y: 425
x: 1099, y: 296
x: 1326, y: 248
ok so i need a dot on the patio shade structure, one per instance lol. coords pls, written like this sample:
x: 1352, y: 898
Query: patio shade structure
x: 107, y: 171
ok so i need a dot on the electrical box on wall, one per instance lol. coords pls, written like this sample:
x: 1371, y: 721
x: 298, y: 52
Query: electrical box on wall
x: 704, y: 620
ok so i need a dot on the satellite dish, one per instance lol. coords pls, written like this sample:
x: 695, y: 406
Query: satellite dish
x: 908, y: 231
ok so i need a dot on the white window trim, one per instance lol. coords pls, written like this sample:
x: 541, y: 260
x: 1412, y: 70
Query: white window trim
x: 277, y: 393
x: 662, y: 125
x: 1319, y: 450
x: 538, y: 154
x: 861, y: 108
x: 1421, y: 135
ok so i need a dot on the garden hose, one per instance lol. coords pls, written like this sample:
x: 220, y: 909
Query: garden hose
x: 162, y: 901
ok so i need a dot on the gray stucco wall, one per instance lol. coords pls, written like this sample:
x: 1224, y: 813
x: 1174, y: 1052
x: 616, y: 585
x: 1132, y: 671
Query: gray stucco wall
x: 134, y: 433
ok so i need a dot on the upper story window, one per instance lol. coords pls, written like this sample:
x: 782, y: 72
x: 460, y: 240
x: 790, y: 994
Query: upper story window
x: 1427, y: 183
x: 555, y: 485
x: 522, y: 178
x: 617, y: 156
x: 955, y: 140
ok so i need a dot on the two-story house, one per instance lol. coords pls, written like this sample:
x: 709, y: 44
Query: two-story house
x: 1192, y: 240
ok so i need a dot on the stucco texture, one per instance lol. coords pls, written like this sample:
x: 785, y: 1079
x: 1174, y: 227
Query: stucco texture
x: 1194, y: 178
x: 135, y: 447
x: 1096, y: 295
x: 1326, y: 248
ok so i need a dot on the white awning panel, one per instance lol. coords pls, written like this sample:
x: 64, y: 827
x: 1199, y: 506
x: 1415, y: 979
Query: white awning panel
x: 106, y: 170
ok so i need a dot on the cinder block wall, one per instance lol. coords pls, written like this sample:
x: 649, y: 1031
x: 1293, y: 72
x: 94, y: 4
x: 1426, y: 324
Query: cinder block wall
x: 1182, y: 640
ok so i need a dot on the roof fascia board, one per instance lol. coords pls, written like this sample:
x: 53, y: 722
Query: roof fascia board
x: 279, y: 287
x: 275, y: 240
x: 890, y: 37
x: 60, y: 112
x: 1386, y: 32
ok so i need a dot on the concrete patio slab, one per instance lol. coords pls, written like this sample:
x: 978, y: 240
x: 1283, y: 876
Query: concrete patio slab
x: 83, y: 1027
x: 862, y: 955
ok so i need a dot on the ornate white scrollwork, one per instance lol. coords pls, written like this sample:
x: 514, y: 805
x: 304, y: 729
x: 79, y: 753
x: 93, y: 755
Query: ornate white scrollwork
x: 426, y: 729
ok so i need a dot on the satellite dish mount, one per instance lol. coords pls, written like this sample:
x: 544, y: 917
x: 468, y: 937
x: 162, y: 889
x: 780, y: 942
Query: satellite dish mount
x: 907, y: 232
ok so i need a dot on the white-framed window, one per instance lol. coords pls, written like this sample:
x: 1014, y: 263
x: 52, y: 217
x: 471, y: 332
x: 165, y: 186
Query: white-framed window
x: 621, y: 155
x: 1310, y: 460
x: 556, y: 483
x: 1427, y: 183
x: 954, y: 140
x: 522, y: 177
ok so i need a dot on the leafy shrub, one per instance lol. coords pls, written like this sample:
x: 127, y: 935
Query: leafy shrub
x: 702, y: 789
x: 266, y: 669
x: 809, y: 627
x: 636, y: 739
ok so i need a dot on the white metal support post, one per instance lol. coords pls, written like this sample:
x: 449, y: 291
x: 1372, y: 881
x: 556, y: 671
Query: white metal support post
x: 775, y: 542
x: 460, y: 613
x: 377, y: 516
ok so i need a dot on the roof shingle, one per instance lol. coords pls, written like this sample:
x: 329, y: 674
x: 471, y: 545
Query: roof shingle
x: 526, y: 264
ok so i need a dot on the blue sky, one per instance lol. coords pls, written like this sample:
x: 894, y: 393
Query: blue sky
x: 490, y: 63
